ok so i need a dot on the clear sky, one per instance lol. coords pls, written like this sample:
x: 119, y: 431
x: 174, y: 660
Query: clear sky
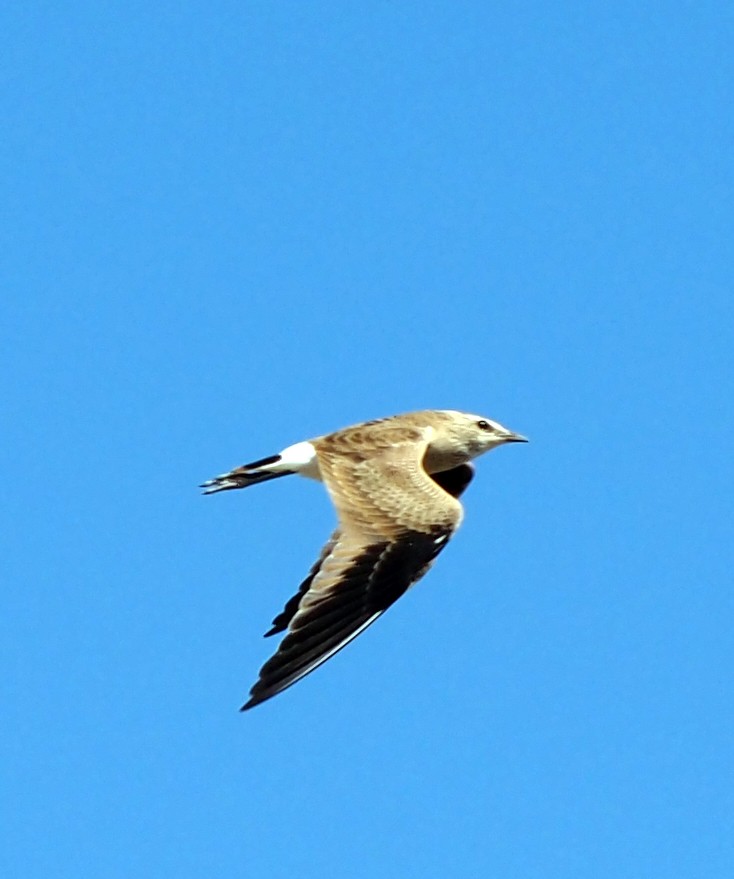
x: 230, y: 226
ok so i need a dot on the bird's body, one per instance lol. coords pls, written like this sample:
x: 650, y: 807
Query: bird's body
x: 395, y: 483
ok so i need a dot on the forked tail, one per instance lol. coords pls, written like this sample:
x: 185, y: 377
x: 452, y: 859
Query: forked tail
x: 249, y: 474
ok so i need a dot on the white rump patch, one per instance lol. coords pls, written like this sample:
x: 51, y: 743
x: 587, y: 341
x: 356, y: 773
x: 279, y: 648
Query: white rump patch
x: 300, y: 458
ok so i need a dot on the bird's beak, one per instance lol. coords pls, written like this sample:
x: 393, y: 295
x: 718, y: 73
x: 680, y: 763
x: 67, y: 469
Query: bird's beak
x: 514, y: 438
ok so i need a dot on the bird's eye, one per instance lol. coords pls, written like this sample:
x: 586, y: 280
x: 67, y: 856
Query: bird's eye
x: 484, y: 425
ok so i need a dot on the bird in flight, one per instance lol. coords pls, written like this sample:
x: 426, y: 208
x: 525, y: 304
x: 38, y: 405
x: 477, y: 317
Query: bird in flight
x: 395, y: 483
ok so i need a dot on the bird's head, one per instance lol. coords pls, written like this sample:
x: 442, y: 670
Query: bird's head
x: 472, y: 435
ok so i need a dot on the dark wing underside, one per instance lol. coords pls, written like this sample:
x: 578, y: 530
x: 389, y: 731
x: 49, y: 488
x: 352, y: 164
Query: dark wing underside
x: 369, y: 584
x: 358, y: 587
x: 456, y: 480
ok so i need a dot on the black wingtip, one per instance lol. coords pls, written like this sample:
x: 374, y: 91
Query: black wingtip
x: 251, y: 703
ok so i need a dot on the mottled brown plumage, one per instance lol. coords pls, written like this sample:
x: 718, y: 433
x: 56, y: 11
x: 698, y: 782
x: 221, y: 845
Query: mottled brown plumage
x: 395, y: 483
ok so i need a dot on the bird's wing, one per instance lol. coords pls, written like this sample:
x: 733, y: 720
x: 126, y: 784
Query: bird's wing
x: 455, y: 481
x: 280, y: 623
x: 394, y: 520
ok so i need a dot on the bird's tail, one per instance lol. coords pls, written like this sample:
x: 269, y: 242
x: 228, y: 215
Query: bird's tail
x: 248, y: 474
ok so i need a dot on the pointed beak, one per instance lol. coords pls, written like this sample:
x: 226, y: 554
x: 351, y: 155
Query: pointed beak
x: 514, y: 438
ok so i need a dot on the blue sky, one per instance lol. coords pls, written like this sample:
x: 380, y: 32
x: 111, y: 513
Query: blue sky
x: 231, y: 226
